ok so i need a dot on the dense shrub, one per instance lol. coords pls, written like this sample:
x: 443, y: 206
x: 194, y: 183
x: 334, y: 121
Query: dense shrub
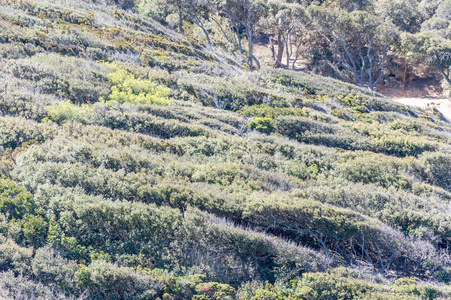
x: 437, y: 169
x: 52, y: 270
x: 76, y: 79
x: 127, y: 88
x: 106, y: 280
x: 16, y: 131
x: 139, y: 164
x: 14, y: 286
x: 263, y: 125
x: 226, y: 247
x: 13, y: 257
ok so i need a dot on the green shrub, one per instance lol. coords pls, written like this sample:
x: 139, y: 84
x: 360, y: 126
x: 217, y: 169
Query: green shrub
x: 51, y: 269
x: 436, y: 169
x: 129, y: 89
x: 11, y: 286
x: 16, y: 131
x: 15, y: 202
x: 62, y: 112
x: 263, y: 125
x: 80, y: 80
x: 322, y: 286
x: 106, y: 280
x: 213, y: 290
x: 266, y: 111
x: 258, y: 255
x: 13, y: 257
x: 124, y: 198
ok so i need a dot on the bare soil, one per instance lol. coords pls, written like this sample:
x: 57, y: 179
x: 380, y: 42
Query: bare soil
x: 442, y: 105
x: 425, y: 93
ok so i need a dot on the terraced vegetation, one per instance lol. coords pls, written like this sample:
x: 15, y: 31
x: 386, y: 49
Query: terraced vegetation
x: 139, y: 164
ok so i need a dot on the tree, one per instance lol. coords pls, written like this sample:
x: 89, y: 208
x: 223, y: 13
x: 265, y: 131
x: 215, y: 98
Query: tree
x: 435, y: 24
x: 253, y: 11
x: 232, y: 13
x: 244, y: 14
x: 161, y: 7
x: 435, y: 51
x: 124, y: 4
x: 404, y: 14
x: 196, y: 10
x: 404, y: 49
x: 352, y: 5
x: 361, y: 39
x: 288, y: 22
x: 444, y: 10
x: 427, y: 8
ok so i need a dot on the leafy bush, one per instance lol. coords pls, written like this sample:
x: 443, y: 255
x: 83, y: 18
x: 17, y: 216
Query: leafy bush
x: 261, y: 256
x: 106, y: 280
x: 62, y: 112
x: 263, y: 125
x: 192, y: 165
x: 13, y: 257
x: 51, y: 269
x: 436, y: 169
x: 127, y: 88
x: 12, y: 285
x: 266, y: 111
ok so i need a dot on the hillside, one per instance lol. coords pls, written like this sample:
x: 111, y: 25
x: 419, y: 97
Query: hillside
x: 138, y: 163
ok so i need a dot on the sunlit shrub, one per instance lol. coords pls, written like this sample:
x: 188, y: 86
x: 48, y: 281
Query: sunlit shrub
x: 62, y: 112
x: 127, y: 88
x: 263, y: 125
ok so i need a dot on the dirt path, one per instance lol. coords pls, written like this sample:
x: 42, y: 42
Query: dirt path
x: 442, y: 105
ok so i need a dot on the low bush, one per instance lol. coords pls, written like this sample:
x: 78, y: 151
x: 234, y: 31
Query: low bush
x: 129, y: 89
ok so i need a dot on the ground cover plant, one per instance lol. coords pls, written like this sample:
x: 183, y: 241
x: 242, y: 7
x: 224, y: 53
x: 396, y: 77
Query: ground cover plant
x: 138, y: 162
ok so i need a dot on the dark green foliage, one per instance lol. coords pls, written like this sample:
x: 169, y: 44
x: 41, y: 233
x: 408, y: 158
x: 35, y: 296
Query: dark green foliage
x: 15, y: 202
x: 137, y: 164
x: 263, y: 125
x: 437, y: 169
x: 14, y: 257
x: 109, y: 281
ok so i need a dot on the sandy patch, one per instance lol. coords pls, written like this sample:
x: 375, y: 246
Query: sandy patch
x: 442, y: 105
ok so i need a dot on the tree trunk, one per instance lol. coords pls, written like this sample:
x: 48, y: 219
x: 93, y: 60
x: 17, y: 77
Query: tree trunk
x: 180, y: 20
x: 271, y: 47
x: 256, y: 61
x: 250, y: 50
x: 223, y: 32
x: 250, y: 41
x: 240, y: 46
x: 287, y: 46
x: 297, y: 53
x: 206, y: 33
x: 198, y: 21
x: 404, y: 77
x: 280, y: 49
x: 446, y: 75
